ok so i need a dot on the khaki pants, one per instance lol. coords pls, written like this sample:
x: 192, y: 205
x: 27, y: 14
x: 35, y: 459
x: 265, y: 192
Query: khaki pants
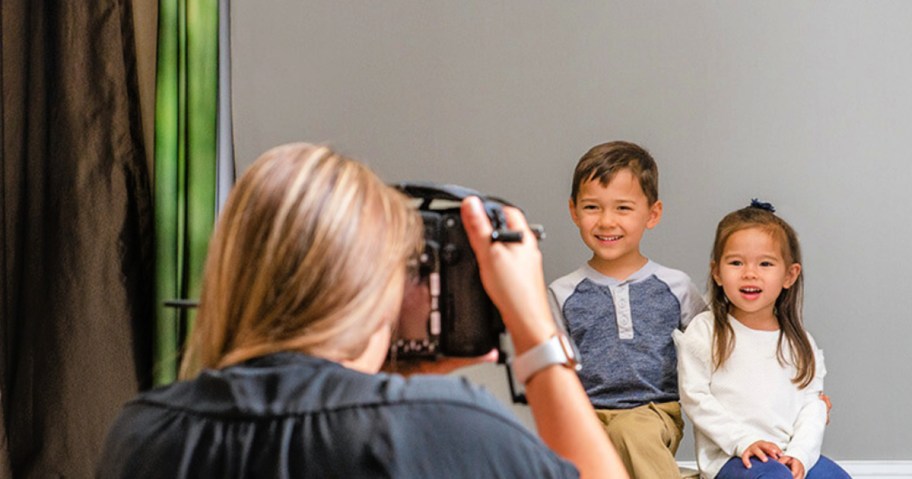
x: 646, y: 437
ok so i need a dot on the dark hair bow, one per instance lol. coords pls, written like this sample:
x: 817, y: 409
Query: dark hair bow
x: 755, y: 203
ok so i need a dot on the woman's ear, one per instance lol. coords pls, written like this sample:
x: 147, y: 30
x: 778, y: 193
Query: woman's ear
x: 791, y: 275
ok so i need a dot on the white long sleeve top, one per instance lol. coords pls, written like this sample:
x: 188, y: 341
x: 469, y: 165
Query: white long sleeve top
x: 750, y: 398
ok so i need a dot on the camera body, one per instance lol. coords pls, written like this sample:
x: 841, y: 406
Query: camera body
x: 445, y: 309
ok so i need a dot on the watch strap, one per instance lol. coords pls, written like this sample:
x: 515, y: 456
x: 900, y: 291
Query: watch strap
x: 556, y: 350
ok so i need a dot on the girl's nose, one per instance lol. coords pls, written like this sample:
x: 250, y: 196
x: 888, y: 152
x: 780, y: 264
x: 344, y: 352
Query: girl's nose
x: 749, y: 272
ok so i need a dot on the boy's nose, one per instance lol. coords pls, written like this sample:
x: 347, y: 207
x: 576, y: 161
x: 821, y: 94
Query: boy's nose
x: 607, y: 219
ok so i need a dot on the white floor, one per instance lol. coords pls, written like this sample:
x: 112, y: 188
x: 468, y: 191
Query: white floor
x: 864, y: 469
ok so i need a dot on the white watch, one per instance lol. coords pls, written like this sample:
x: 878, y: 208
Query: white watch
x: 558, y: 349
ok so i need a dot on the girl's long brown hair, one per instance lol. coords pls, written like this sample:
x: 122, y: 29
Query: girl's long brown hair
x: 310, y: 249
x: 788, y: 304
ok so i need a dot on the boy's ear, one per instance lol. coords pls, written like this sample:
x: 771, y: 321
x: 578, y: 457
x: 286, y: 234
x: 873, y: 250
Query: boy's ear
x: 791, y: 275
x: 572, y: 205
x: 655, y: 214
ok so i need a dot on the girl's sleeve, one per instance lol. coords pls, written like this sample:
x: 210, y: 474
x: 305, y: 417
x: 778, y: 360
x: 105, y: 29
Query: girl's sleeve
x: 809, y: 427
x: 708, y: 415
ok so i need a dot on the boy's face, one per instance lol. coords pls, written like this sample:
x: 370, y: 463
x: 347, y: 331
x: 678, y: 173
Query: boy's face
x: 612, y: 219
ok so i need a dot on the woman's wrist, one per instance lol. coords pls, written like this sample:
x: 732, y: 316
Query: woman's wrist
x: 528, y: 336
x: 555, y: 351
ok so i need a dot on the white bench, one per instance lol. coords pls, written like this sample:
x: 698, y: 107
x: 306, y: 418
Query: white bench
x: 688, y: 473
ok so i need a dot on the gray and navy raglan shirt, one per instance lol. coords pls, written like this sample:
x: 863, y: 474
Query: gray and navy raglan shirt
x: 623, y: 330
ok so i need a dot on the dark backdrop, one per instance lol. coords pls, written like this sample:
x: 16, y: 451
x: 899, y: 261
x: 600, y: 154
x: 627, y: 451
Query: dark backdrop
x: 75, y: 223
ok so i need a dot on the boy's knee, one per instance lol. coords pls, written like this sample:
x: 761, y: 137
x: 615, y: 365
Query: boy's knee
x: 636, y: 429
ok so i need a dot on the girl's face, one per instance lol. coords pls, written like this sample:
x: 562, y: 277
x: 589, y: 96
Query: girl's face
x: 752, y: 272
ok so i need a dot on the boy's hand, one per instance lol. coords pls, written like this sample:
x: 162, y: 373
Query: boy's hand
x: 794, y: 465
x: 763, y: 450
x: 826, y: 400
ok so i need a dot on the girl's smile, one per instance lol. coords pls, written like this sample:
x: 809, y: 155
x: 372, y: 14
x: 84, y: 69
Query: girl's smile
x: 750, y: 293
x: 752, y: 272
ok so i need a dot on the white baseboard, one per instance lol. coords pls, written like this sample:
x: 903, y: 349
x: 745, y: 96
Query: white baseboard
x: 875, y: 469
x: 862, y: 469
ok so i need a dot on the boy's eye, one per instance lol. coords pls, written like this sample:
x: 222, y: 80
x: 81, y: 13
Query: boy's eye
x: 624, y: 208
x: 766, y: 263
x: 589, y: 207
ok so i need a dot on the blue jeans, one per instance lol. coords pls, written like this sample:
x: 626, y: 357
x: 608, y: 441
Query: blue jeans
x: 734, y: 469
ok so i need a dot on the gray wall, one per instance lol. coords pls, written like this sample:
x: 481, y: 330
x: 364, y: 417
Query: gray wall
x: 804, y: 104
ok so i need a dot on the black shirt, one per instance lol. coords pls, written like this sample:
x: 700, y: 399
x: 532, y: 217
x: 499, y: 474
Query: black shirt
x: 291, y: 416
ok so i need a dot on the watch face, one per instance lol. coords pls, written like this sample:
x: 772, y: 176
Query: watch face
x: 569, y: 351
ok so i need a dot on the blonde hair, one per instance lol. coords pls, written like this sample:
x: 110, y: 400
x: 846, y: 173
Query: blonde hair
x: 309, y: 251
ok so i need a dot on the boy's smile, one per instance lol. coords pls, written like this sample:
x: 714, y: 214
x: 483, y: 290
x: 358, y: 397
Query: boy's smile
x: 609, y: 238
x: 612, y: 219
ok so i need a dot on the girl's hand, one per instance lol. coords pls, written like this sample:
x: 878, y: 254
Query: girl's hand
x: 762, y: 450
x: 794, y: 465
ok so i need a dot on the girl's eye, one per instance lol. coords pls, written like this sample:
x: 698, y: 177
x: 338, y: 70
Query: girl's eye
x: 767, y: 264
x: 735, y: 262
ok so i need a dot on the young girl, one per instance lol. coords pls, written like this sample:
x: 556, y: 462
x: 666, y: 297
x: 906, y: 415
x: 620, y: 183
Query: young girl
x: 749, y: 374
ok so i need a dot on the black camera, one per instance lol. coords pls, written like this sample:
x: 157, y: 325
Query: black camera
x: 445, y: 310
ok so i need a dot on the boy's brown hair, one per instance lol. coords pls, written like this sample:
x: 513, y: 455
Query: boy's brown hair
x: 603, y: 161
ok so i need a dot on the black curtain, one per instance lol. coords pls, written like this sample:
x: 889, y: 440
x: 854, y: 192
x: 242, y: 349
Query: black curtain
x: 76, y: 259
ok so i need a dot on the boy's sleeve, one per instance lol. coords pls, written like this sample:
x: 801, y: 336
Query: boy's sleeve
x: 694, y: 348
x: 692, y: 304
x: 556, y: 310
x: 807, y: 439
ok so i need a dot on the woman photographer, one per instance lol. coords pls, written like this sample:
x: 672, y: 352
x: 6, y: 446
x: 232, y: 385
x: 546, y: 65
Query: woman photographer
x: 301, y: 290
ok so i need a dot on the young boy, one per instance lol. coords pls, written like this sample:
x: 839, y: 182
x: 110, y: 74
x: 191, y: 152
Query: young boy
x: 621, y: 308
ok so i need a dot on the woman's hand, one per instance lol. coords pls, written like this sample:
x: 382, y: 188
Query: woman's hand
x: 762, y: 450
x: 511, y: 274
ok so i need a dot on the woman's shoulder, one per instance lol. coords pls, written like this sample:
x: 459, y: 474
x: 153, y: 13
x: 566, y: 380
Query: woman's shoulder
x: 446, y: 413
x: 444, y: 391
x: 299, y: 384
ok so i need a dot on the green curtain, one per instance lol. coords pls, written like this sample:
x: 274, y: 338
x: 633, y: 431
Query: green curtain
x: 186, y: 127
